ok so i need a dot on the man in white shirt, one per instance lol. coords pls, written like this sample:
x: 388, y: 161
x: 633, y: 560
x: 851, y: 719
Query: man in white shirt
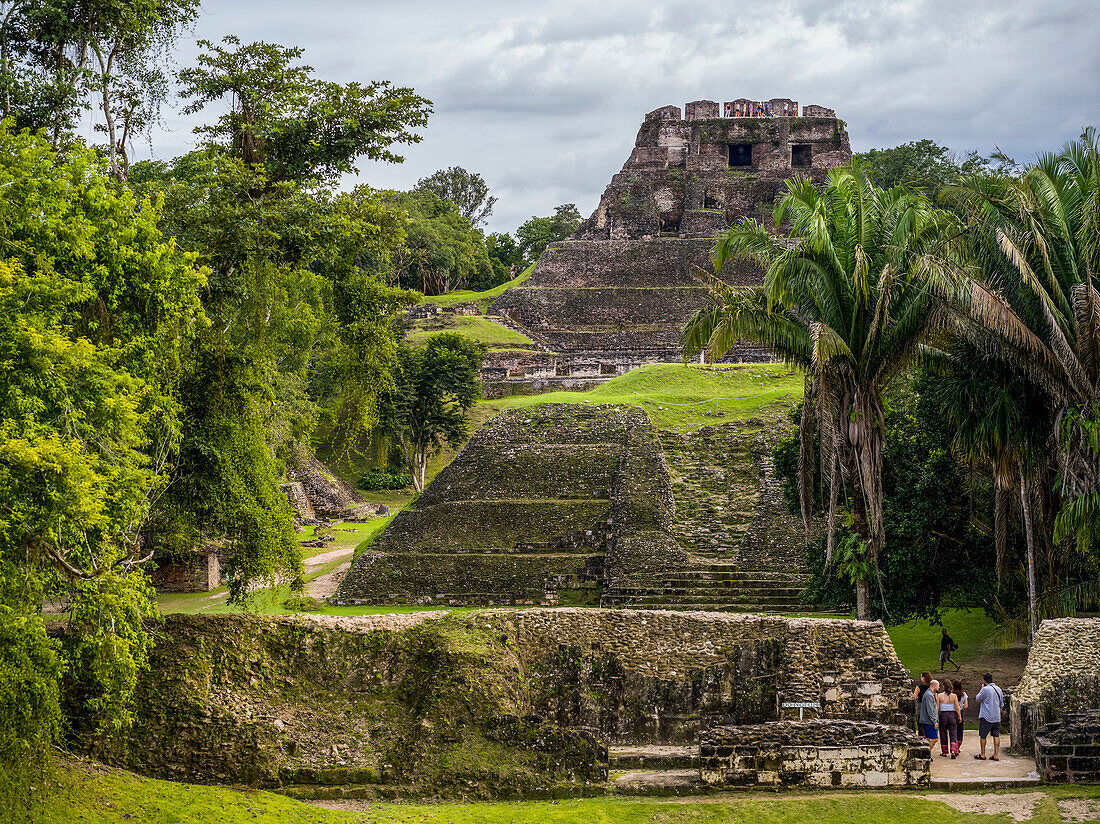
x: 990, y: 700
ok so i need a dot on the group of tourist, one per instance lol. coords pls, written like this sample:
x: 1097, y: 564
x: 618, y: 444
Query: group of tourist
x: 941, y: 714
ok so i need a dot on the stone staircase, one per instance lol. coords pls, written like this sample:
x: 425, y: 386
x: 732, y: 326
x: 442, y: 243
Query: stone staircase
x: 654, y: 769
x: 713, y: 586
x: 744, y: 546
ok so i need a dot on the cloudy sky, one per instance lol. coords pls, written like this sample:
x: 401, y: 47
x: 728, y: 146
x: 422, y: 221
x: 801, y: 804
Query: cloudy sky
x: 544, y: 99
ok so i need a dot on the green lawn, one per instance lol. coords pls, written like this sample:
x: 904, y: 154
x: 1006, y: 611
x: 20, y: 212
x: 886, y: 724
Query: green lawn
x: 93, y: 795
x: 472, y: 326
x: 918, y: 643
x: 682, y: 397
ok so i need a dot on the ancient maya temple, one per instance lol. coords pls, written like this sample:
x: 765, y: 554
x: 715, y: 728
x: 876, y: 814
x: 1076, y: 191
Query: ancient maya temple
x: 573, y: 505
x: 616, y: 294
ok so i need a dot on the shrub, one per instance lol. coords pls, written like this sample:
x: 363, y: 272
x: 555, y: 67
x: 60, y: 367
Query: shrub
x: 378, y: 479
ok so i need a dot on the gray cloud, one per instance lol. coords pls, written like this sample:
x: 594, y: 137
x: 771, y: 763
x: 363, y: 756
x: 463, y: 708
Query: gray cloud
x: 544, y: 99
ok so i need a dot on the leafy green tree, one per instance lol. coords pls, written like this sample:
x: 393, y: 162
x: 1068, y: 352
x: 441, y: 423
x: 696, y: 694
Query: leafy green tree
x: 537, y: 233
x: 55, y: 55
x: 442, y: 250
x: 926, y: 166
x: 298, y: 127
x: 435, y: 387
x: 466, y: 190
x: 849, y: 303
x: 96, y: 309
x: 505, y: 257
x: 1032, y: 302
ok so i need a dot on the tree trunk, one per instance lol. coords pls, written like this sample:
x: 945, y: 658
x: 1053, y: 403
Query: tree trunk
x: 1032, y: 600
x: 861, y: 528
x: 863, y: 599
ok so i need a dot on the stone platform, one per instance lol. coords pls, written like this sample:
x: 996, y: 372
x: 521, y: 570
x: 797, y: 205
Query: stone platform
x: 571, y: 504
x: 966, y: 773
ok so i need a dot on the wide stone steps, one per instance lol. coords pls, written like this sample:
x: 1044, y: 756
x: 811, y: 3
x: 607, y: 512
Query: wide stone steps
x: 653, y: 757
x: 713, y: 586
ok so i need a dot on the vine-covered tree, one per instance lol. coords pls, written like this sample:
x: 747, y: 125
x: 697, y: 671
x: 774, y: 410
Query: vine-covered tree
x: 96, y: 309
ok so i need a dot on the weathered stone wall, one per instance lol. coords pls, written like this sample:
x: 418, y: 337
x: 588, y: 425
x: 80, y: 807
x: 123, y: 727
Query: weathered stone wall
x: 1068, y: 751
x: 1062, y: 676
x: 815, y: 754
x: 637, y: 676
x: 436, y: 706
x: 484, y: 703
x: 574, y: 505
x: 197, y: 571
x: 524, y: 514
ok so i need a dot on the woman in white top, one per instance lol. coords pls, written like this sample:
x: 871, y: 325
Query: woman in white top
x: 950, y: 716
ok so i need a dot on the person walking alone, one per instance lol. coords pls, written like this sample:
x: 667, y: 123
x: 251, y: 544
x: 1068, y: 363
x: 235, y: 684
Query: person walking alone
x: 950, y: 718
x: 990, y: 699
x: 947, y: 646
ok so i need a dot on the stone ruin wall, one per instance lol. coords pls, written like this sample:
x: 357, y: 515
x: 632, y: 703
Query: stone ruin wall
x: 1068, y: 751
x: 822, y: 754
x: 1062, y: 676
x: 573, y: 504
x: 662, y: 676
x: 523, y: 515
x: 312, y: 701
x: 615, y: 295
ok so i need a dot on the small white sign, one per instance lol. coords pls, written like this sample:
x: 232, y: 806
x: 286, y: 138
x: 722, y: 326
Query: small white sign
x: 801, y: 706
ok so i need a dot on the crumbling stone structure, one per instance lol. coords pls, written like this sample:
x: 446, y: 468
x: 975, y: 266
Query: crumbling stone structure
x: 524, y: 515
x: 1068, y: 751
x: 571, y: 504
x: 816, y: 754
x: 494, y: 702
x: 1062, y: 676
x: 199, y: 570
x: 616, y: 294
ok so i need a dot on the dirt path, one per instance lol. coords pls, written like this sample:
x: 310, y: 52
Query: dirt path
x: 325, y: 586
x: 1018, y: 806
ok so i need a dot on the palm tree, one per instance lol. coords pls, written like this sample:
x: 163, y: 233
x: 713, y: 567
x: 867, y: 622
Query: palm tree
x: 846, y: 299
x: 1033, y: 303
x: 999, y: 419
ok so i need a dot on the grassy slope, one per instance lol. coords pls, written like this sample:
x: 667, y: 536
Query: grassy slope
x: 472, y: 326
x: 482, y: 299
x: 918, y: 643
x: 84, y: 795
x: 682, y: 397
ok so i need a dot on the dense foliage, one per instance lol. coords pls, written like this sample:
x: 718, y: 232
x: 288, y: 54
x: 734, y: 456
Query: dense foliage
x: 435, y: 386
x: 443, y: 251
x: 938, y: 514
x: 96, y: 308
